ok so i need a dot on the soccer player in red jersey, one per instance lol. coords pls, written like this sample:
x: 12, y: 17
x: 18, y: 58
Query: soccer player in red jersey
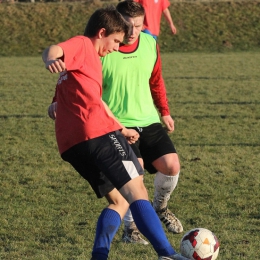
x: 153, y: 12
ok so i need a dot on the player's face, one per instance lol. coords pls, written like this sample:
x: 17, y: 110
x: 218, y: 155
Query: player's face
x: 137, y: 26
x: 110, y: 43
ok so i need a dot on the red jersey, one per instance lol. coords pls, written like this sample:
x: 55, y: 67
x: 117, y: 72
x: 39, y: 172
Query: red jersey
x: 81, y: 114
x: 153, y: 13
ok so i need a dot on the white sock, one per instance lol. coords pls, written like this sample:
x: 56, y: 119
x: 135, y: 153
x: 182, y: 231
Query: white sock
x: 163, y: 188
x: 128, y: 218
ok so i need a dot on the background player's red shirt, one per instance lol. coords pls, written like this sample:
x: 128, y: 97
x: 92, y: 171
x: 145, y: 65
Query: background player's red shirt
x: 153, y: 13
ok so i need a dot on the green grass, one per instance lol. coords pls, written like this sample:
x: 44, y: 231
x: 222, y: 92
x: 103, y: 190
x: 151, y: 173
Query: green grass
x: 49, y: 212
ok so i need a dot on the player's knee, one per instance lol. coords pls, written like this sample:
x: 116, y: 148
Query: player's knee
x: 122, y: 203
x: 118, y: 204
x: 119, y: 201
x: 134, y: 190
x: 116, y: 199
x: 176, y: 168
x: 173, y: 169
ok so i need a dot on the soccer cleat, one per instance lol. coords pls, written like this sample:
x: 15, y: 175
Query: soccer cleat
x: 173, y: 257
x: 132, y: 235
x: 171, y: 222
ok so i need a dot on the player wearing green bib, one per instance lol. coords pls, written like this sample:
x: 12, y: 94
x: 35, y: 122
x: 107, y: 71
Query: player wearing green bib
x: 134, y: 90
x: 122, y: 74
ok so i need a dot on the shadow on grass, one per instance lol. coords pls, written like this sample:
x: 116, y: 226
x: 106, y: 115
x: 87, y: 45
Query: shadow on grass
x: 220, y: 103
x: 21, y: 116
x: 230, y: 144
x: 210, y: 78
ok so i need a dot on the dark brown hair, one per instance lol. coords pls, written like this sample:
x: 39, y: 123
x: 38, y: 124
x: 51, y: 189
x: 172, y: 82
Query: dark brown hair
x: 130, y: 8
x: 108, y: 18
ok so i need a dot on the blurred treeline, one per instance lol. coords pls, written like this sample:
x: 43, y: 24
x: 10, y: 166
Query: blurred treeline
x: 210, y: 26
x: 45, y: 1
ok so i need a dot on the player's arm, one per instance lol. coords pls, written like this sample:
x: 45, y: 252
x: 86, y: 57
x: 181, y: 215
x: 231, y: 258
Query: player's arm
x: 130, y: 134
x: 52, y: 57
x: 157, y: 87
x: 158, y: 92
x: 52, y: 110
x: 168, y: 17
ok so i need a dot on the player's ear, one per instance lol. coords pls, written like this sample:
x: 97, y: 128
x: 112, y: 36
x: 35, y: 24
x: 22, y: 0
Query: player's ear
x: 102, y: 33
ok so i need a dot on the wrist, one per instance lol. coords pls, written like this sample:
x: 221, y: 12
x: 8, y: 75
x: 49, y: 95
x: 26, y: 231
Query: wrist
x: 123, y: 130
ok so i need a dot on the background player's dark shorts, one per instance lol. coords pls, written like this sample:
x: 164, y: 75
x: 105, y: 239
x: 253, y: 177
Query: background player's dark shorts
x: 105, y: 162
x: 153, y: 143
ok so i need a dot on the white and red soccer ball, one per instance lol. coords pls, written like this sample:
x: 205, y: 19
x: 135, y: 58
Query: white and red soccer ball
x: 200, y: 244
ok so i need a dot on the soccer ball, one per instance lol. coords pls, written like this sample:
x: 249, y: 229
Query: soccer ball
x: 200, y: 244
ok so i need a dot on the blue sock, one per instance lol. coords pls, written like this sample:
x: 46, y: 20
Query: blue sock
x: 107, y: 226
x: 150, y: 226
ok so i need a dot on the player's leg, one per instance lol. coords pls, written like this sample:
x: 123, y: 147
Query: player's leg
x: 117, y: 202
x: 110, y: 218
x: 147, y: 220
x: 126, y: 174
x: 160, y: 157
x: 165, y: 182
x: 166, y: 178
x: 108, y: 223
x: 131, y: 233
x: 128, y: 179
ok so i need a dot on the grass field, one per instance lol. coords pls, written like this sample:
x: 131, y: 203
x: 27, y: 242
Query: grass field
x: 49, y: 212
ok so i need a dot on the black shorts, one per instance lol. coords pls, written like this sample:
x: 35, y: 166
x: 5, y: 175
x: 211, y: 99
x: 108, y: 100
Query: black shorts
x: 106, y: 162
x: 153, y: 143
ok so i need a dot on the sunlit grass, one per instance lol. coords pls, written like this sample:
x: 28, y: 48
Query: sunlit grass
x: 49, y: 212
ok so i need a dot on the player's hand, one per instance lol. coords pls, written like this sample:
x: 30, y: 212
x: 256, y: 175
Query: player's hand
x: 173, y: 29
x: 52, y: 110
x: 131, y: 135
x: 169, y: 123
x: 55, y: 66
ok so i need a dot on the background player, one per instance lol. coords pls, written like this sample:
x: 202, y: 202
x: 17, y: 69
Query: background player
x: 153, y: 12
